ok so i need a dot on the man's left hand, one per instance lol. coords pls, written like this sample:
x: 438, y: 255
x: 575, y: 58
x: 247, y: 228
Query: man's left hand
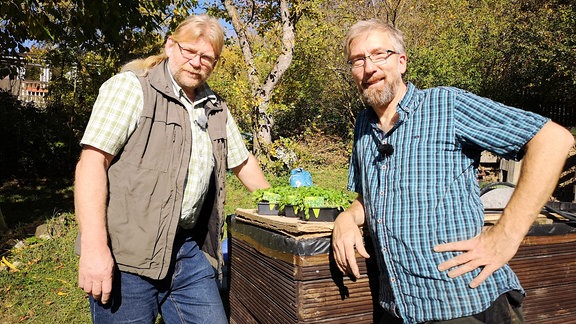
x: 490, y: 250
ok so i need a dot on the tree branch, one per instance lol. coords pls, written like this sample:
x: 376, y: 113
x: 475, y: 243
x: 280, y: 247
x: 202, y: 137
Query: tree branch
x: 244, y: 43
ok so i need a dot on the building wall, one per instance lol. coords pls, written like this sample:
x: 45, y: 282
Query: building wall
x: 28, y: 91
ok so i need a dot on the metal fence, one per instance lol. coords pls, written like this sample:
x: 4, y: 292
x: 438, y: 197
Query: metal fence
x: 563, y: 115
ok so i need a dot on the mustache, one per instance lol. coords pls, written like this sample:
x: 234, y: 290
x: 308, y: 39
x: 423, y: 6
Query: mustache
x: 196, y: 71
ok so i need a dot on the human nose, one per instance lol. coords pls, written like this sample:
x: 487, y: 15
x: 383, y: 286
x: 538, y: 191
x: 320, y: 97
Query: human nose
x: 369, y: 65
x: 195, y: 60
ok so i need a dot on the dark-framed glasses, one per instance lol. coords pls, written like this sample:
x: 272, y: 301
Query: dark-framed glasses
x: 376, y: 58
x: 191, y: 54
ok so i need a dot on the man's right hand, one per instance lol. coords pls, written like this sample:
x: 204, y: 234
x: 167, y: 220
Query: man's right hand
x: 96, y: 267
x: 346, y: 240
x: 95, y: 273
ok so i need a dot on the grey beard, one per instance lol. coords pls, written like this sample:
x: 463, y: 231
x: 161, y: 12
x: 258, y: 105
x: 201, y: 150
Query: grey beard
x: 380, y: 97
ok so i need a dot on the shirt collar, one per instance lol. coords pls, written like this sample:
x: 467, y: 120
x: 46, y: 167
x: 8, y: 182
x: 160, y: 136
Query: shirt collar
x: 204, y: 93
x: 409, y: 102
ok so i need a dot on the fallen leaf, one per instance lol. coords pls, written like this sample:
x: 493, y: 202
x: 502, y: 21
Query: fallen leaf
x: 8, y: 264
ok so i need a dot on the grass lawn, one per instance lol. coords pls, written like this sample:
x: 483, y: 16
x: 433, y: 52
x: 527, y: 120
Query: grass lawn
x: 38, y: 275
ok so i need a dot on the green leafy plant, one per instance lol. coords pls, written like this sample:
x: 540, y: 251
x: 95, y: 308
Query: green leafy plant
x: 303, y: 198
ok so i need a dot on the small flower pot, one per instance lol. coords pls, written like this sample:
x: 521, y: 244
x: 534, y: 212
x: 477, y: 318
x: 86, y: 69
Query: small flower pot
x: 289, y: 212
x: 267, y: 208
x: 320, y: 214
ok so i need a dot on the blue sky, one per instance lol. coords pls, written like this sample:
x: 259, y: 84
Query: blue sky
x: 227, y: 26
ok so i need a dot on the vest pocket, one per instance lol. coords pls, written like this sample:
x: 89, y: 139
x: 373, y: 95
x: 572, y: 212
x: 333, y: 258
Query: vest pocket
x: 134, y: 216
x: 154, y: 150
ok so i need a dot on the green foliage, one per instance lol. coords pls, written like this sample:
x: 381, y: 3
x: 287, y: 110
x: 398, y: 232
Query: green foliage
x: 84, y: 43
x: 106, y: 27
x: 274, y: 194
x: 316, y: 92
x: 237, y: 196
x: 283, y: 156
x: 303, y: 198
x: 536, y: 68
x: 518, y: 52
x: 36, y: 142
x: 328, y: 174
x: 229, y: 80
x: 448, y: 45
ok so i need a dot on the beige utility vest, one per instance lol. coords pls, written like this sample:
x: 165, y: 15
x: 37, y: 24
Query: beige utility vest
x: 146, y: 182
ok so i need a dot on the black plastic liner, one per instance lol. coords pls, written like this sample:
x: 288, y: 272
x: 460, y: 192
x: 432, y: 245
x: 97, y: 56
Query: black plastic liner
x: 562, y: 206
x: 558, y: 227
x: 280, y: 242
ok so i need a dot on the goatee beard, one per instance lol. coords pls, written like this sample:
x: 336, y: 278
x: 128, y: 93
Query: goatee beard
x: 380, y: 97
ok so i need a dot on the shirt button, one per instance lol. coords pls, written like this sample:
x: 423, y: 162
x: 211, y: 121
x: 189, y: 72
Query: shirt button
x: 384, y: 167
x: 382, y: 193
x: 392, y: 280
x: 384, y: 250
x: 379, y: 220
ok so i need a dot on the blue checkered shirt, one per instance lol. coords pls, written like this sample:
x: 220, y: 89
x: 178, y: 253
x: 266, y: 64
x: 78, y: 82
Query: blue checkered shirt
x: 426, y: 193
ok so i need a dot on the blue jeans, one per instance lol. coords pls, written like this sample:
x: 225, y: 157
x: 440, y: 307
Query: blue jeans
x: 188, y: 294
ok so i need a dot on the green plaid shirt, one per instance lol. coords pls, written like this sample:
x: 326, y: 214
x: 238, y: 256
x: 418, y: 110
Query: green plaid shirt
x: 115, y: 116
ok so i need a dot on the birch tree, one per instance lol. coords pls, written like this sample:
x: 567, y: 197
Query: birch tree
x: 251, y: 19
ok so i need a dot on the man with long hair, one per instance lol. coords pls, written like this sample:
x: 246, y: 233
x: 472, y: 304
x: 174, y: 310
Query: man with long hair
x: 149, y: 189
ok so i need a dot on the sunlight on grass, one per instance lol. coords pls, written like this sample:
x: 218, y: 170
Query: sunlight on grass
x: 41, y: 285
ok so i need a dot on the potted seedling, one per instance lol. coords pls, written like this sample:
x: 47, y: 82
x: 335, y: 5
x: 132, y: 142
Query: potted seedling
x: 272, y: 201
x: 309, y: 203
x: 323, y: 204
x: 268, y: 202
x: 290, y: 203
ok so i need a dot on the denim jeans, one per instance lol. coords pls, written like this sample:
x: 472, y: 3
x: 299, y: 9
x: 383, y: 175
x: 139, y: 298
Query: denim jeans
x: 189, y: 293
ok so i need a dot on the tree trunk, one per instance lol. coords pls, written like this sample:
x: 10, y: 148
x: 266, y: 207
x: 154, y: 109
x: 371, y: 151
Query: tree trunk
x: 263, y: 122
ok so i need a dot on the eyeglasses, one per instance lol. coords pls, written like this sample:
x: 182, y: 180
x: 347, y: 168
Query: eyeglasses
x: 190, y: 54
x: 376, y: 58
